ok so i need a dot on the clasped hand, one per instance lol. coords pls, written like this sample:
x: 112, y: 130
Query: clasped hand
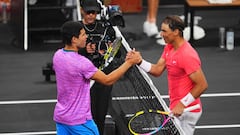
x: 134, y: 57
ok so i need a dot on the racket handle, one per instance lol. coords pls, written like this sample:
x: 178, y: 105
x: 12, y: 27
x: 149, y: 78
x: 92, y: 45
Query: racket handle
x: 197, y: 106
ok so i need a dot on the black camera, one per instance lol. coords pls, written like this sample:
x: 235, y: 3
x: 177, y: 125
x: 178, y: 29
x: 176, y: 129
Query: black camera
x: 112, y: 14
x: 115, y: 16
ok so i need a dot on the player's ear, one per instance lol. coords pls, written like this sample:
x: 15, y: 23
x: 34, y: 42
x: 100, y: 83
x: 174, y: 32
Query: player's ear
x: 176, y: 31
x: 74, y: 39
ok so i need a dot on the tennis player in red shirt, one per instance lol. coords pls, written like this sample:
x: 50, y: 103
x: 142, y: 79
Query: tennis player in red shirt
x: 186, y: 80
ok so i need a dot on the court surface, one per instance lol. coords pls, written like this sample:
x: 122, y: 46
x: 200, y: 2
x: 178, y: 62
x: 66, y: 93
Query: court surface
x: 27, y: 101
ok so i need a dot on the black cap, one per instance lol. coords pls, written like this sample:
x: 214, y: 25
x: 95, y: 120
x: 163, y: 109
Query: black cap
x: 90, y: 5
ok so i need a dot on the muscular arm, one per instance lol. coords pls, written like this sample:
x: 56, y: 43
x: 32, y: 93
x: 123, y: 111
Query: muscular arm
x: 200, y: 81
x: 111, y: 78
x: 158, y: 68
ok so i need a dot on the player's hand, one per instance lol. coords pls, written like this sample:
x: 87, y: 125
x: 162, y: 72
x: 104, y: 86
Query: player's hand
x: 133, y: 57
x: 91, y: 48
x: 178, y: 109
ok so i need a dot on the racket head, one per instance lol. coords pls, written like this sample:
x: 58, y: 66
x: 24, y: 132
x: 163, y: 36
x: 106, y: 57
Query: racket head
x: 148, y: 122
x: 113, y: 48
x: 111, y: 52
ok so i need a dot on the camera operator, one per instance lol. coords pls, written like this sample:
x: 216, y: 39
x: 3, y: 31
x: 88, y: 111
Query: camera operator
x: 100, y: 35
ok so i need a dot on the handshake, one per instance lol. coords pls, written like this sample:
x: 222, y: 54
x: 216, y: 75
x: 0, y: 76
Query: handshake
x: 133, y: 57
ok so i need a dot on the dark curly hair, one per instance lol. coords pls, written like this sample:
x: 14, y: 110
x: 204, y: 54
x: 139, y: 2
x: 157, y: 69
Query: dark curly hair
x: 175, y: 22
x: 70, y: 29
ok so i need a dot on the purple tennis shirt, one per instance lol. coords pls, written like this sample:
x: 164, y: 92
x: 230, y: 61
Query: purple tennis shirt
x: 73, y: 73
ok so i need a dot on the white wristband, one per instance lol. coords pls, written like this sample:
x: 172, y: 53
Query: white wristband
x: 146, y: 66
x: 188, y: 99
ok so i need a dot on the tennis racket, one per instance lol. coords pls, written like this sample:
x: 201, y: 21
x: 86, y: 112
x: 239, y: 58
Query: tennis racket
x: 152, y: 121
x: 111, y: 52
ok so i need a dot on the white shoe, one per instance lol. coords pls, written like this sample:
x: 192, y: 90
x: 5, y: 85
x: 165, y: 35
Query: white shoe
x: 150, y: 29
x: 198, y: 33
x: 160, y: 40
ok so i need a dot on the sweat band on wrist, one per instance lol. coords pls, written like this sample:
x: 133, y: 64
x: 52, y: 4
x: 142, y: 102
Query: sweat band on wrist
x: 146, y: 66
x: 188, y: 99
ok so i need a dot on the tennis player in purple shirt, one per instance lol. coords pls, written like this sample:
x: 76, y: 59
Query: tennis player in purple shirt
x: 72, y: 112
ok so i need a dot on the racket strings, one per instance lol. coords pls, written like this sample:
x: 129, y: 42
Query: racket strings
x: 110, y: 52
x: 148, y: 122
